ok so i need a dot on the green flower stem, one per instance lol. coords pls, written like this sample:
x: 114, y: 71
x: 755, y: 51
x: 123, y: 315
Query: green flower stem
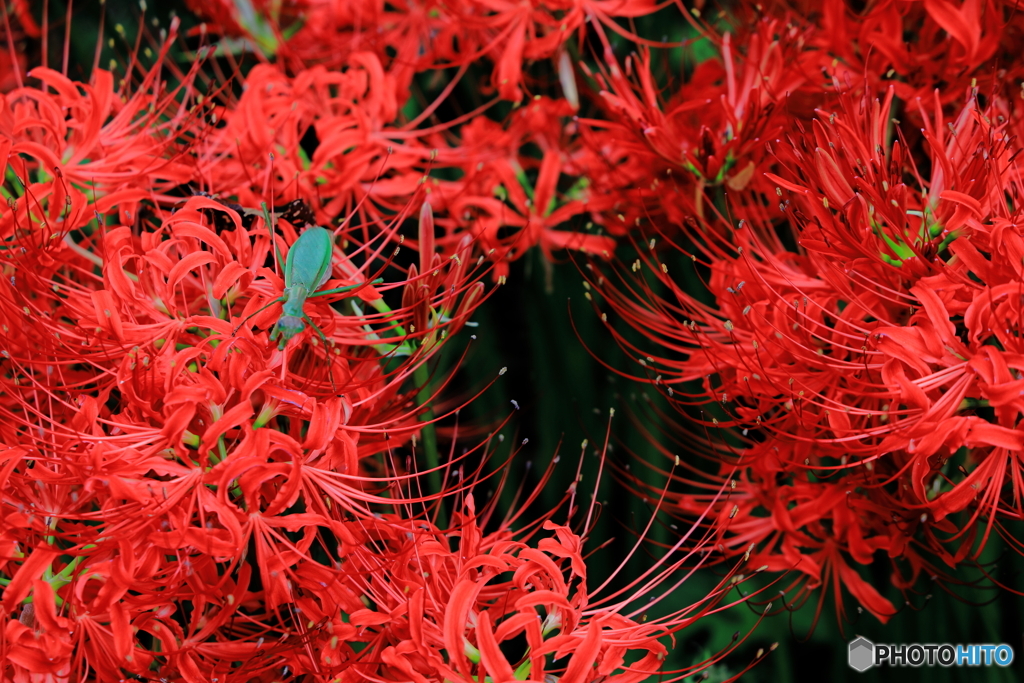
x: 428, y: 436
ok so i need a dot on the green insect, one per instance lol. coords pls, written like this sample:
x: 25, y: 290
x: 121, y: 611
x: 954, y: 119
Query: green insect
x: 306, y: 269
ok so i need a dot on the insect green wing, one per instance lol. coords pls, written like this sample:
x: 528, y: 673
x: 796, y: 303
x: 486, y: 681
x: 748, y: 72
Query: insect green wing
x: 309, y: 260
x: 307, y: 268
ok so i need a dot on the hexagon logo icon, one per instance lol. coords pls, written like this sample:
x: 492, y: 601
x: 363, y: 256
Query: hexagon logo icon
x: 862, y: 654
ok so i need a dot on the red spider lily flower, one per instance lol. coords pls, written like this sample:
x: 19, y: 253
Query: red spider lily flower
x: 170, y: 313
x: 111, y: 140
x: 861, y: 355
x: 364, y: 164
x: 390, y: 599
x: 169, y: 437
x: 223, y: 482
x: 406, y: 37
x: 815, y: 525
x: 503, y: 208
x: 260, y: 145
x: 954, y: 44
x: 521, y: 32
x: 926, y: 256
x: 710, y: 130
x: 677, y: 134
x: 185, y: 496
x: 410, y: 37
x: 331, y: 138
x: 812, y: 528
x: 440, y: 603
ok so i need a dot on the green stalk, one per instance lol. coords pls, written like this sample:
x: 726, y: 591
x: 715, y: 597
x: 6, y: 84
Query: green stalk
x: 428, y: 436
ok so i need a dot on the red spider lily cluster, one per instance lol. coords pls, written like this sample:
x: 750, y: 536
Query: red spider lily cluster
x: 829, y: 267
x: 216, y: 466
x: 191, y: 489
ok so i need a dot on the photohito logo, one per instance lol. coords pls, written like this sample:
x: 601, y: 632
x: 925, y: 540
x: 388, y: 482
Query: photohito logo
x: 863, y: 654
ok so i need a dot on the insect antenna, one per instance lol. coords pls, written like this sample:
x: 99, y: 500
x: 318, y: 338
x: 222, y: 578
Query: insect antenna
x: 273, y: 236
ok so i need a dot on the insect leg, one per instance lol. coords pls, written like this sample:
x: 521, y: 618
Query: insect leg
x: 255, y: 313
x: 348, y: 288
x: 327, y: 350
x: 273, y: 237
